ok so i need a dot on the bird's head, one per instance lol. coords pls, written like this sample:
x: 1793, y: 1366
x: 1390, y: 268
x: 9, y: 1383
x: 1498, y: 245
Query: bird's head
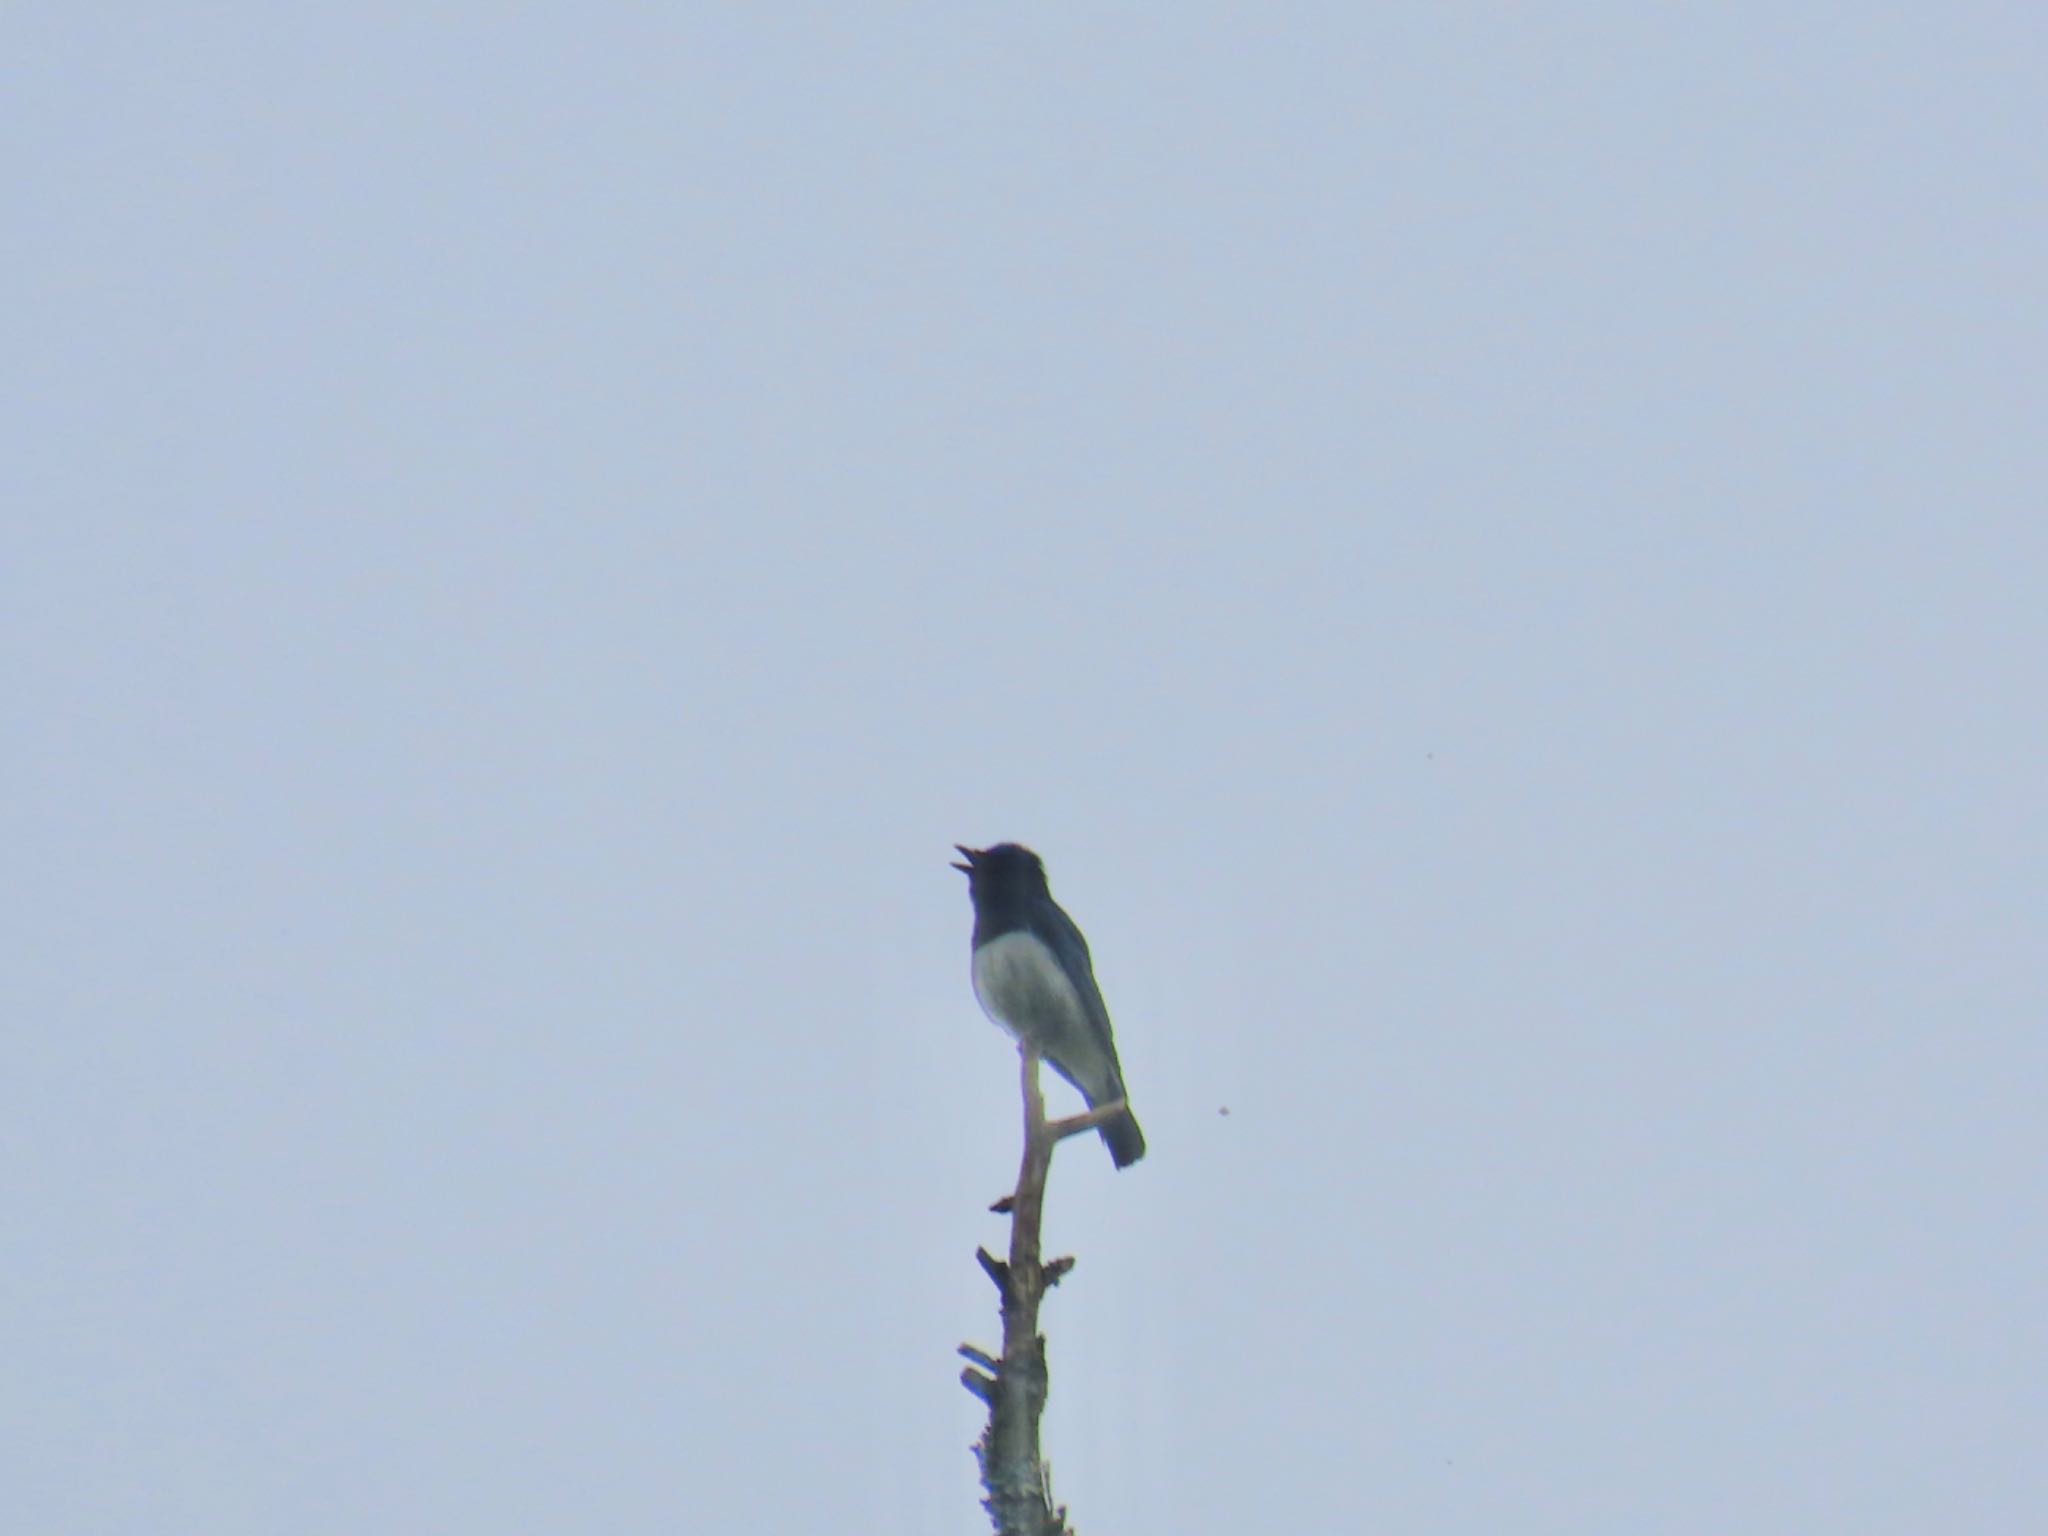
x: 1005, y: 867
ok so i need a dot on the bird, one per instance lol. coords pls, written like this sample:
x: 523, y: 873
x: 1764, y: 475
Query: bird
x: 1034, y: 977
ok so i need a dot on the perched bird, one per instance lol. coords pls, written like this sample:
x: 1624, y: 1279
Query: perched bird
x: 1032, y: 975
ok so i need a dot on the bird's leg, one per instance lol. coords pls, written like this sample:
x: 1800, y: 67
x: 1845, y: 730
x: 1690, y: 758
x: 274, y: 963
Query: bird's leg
x: 1088, y: 1120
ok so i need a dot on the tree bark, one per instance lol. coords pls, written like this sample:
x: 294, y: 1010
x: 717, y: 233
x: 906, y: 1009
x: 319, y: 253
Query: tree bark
x: 1014, y: 1476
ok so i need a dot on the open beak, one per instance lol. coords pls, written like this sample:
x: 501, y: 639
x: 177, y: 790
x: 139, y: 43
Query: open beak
x: 968, y: 867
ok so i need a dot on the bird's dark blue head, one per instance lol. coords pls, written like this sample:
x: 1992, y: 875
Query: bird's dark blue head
x: 1008, y: 872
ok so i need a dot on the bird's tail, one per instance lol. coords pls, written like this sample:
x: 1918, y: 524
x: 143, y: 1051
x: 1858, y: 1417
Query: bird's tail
x: 1125, y: 1141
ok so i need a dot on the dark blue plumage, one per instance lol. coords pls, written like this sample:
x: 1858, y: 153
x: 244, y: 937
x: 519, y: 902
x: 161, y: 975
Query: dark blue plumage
x: 1033, y: 975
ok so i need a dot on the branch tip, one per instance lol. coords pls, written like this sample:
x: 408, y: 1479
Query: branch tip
x: 995, y: 1269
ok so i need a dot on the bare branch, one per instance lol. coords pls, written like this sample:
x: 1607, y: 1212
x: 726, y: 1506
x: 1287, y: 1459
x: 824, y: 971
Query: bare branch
x: 1013, y: 1474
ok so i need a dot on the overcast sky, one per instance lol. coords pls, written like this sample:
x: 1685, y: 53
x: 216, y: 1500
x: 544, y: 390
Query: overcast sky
x: 1499, y: 552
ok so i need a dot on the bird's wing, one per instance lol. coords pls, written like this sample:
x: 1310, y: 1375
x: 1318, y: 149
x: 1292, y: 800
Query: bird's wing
x: 1052, y: 925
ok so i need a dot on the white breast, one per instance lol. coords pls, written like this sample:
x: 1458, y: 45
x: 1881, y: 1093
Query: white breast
x: 1020, y: 985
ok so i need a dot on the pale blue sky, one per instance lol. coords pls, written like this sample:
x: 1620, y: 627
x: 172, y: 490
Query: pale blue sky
x: 1497, y: 551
